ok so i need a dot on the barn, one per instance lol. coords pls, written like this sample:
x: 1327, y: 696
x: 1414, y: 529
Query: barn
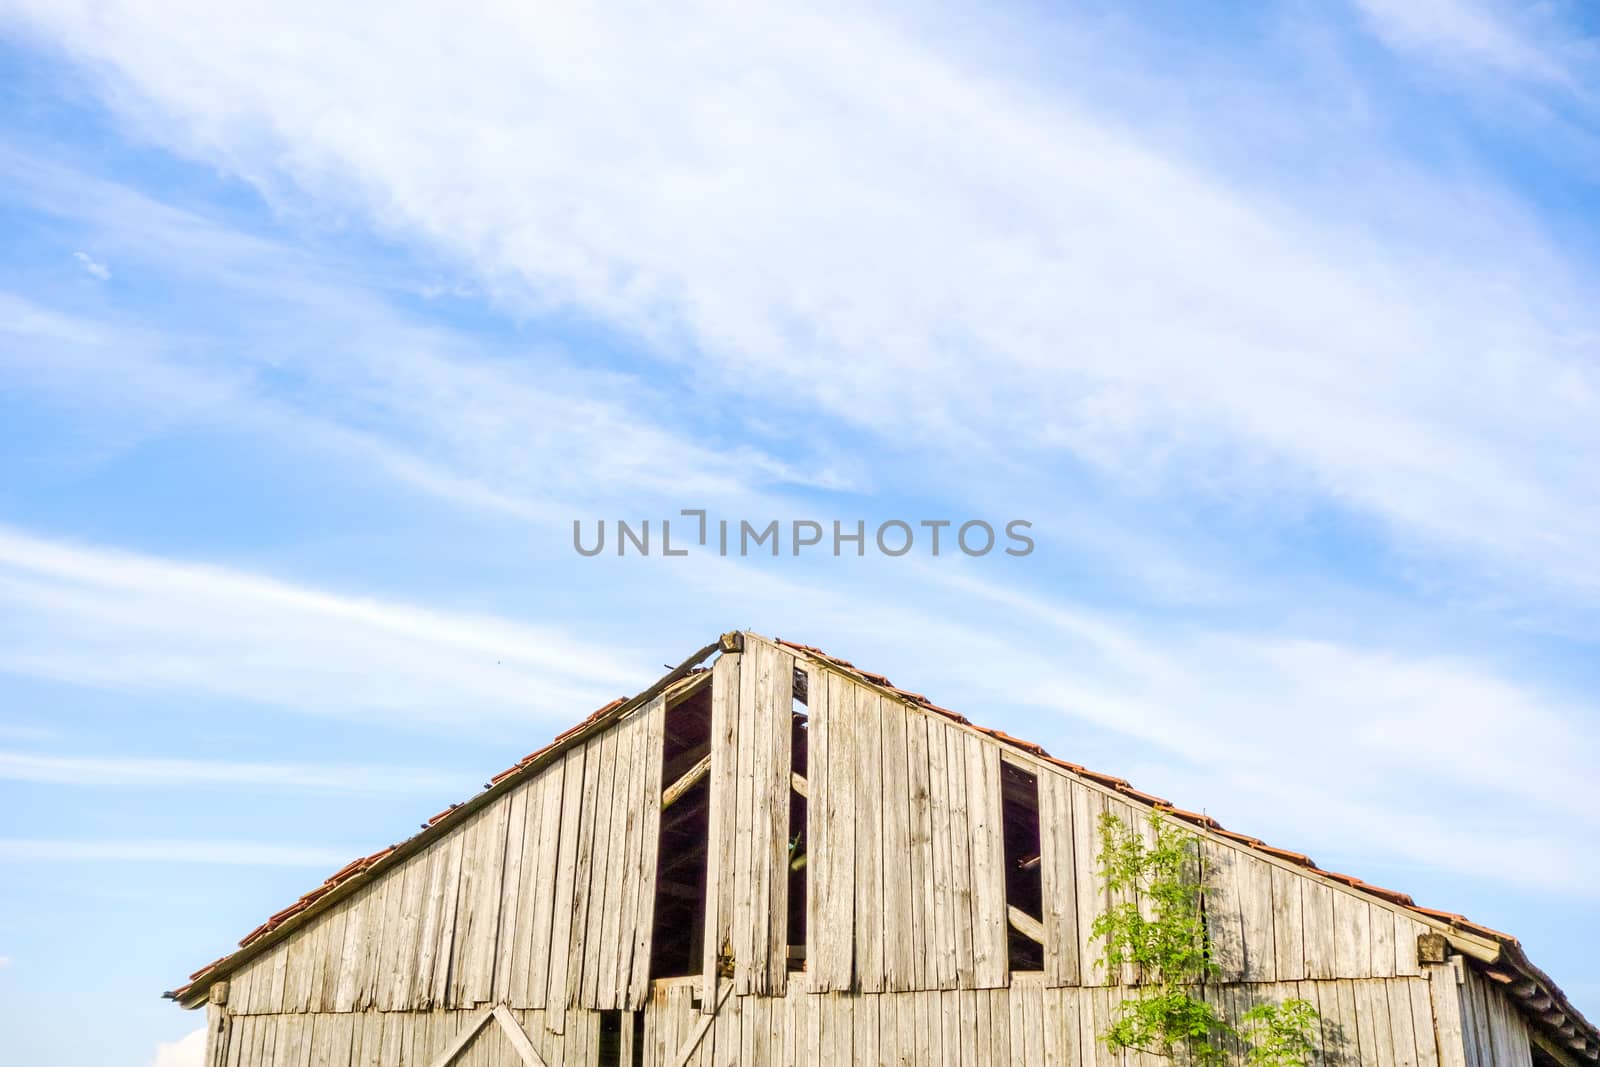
x: 771, y: 856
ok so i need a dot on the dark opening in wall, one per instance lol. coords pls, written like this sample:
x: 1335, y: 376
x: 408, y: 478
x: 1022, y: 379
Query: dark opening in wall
x: 610, y: 1039
x: 1024, y: 885
x: 680, y: 900
x: 799, y: 867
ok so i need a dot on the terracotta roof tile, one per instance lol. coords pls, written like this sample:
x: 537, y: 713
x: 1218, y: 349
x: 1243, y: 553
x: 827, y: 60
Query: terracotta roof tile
x: 1154, y: 801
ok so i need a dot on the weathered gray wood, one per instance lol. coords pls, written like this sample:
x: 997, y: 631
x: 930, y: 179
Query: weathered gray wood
x: 1224, y: 908
x: 687, y: 781
x: 869, y: 905
x: 721, y: 857
x: 1092, y: 899
x: 830, y: 834
x: 777, y: 711
x: 561, y: 907
x: 1253, y: 879
x: 1382, y: 954
x: 643, y: 916
x: 1026, y: 924
x: 519, y: 1037
x: 614, y: 879
x: 404, y: 954
x: 1424, y: 1026
x: 899, y: 907
x: 553, y: 830
x: 988, y: 859
x: 1317, y: 922
x: 1406, y: 933
x: 745, y: 848
x: 462, y: 1039
x: 517, y: 907
x: 920, y: 845
x: 1058, y: 880
x: 944, y: 927
x: 592, y: 906
x: 1289, y: 950
x: 1352, y: 936
x: 960, y: 833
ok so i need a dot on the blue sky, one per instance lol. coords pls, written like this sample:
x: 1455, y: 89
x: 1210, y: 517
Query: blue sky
x: 321, y: 324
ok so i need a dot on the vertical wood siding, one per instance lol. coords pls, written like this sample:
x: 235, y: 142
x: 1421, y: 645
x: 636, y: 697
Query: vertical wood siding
x: 748, y: 867
x: 543, y: 901
x: 1493, y: 1032
x: 498, y: 909
x: 1366, y: 1022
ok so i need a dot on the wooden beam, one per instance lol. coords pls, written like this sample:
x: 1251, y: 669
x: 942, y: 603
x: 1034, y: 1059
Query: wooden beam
x: 462, y: 1040
x: 684, y: 1053
x: 670, y: 795
x: 518, y: 1037
x: 1026, y: 924
x: 1554, y: 1051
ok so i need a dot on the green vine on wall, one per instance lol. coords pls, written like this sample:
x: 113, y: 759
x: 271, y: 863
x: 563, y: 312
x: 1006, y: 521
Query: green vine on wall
x: 1156, y: 927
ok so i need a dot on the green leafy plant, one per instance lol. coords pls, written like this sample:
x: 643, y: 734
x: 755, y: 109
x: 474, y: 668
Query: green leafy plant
x: 1280, y: 1035
x: 1157, y: 928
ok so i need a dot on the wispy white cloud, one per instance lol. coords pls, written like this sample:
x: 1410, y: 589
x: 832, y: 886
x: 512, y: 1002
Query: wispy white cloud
x: 496, y: 422
x: 102, y: 617
x: 92, y: 266
x: 188, y: 1051
x: 5, y: 961
x: 134, y: 772
x: 823, y: 244
x: 1480, y: 34
x: 156, y: 850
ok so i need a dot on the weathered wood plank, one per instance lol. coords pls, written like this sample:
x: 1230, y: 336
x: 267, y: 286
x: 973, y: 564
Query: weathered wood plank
x: 1091, y: 896
x: 869, y: 908
x: 1253, y: 878
x: 1352, y: 936
x: 745, y: 917
x: 566, y: 878
x: 1405, y: 946
x: 988, y: 859
x: 462, y: 1039
x: 1289, y: 950
x: 963, y: 912
x: 613, y: 880
x: 642, y: 914
x: 1224, y: 909
x: 721, y: 857
x: 830, y: 834
x: 899, y: 905
x: 403, y: 965
x: 516, y: 910
x: 1403, y: 1030
x: 553, y: 830
x: 1382, y: 952
x: 1058, y: 880
x: 1317, y: 924
x: 1424, y: 1025
x: 920, y: 821
x: 777, y: 712
x: 596, y: 899
x: 943, y: 948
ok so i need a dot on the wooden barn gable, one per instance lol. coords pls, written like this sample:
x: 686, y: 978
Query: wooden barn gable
x: 784, y: 858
